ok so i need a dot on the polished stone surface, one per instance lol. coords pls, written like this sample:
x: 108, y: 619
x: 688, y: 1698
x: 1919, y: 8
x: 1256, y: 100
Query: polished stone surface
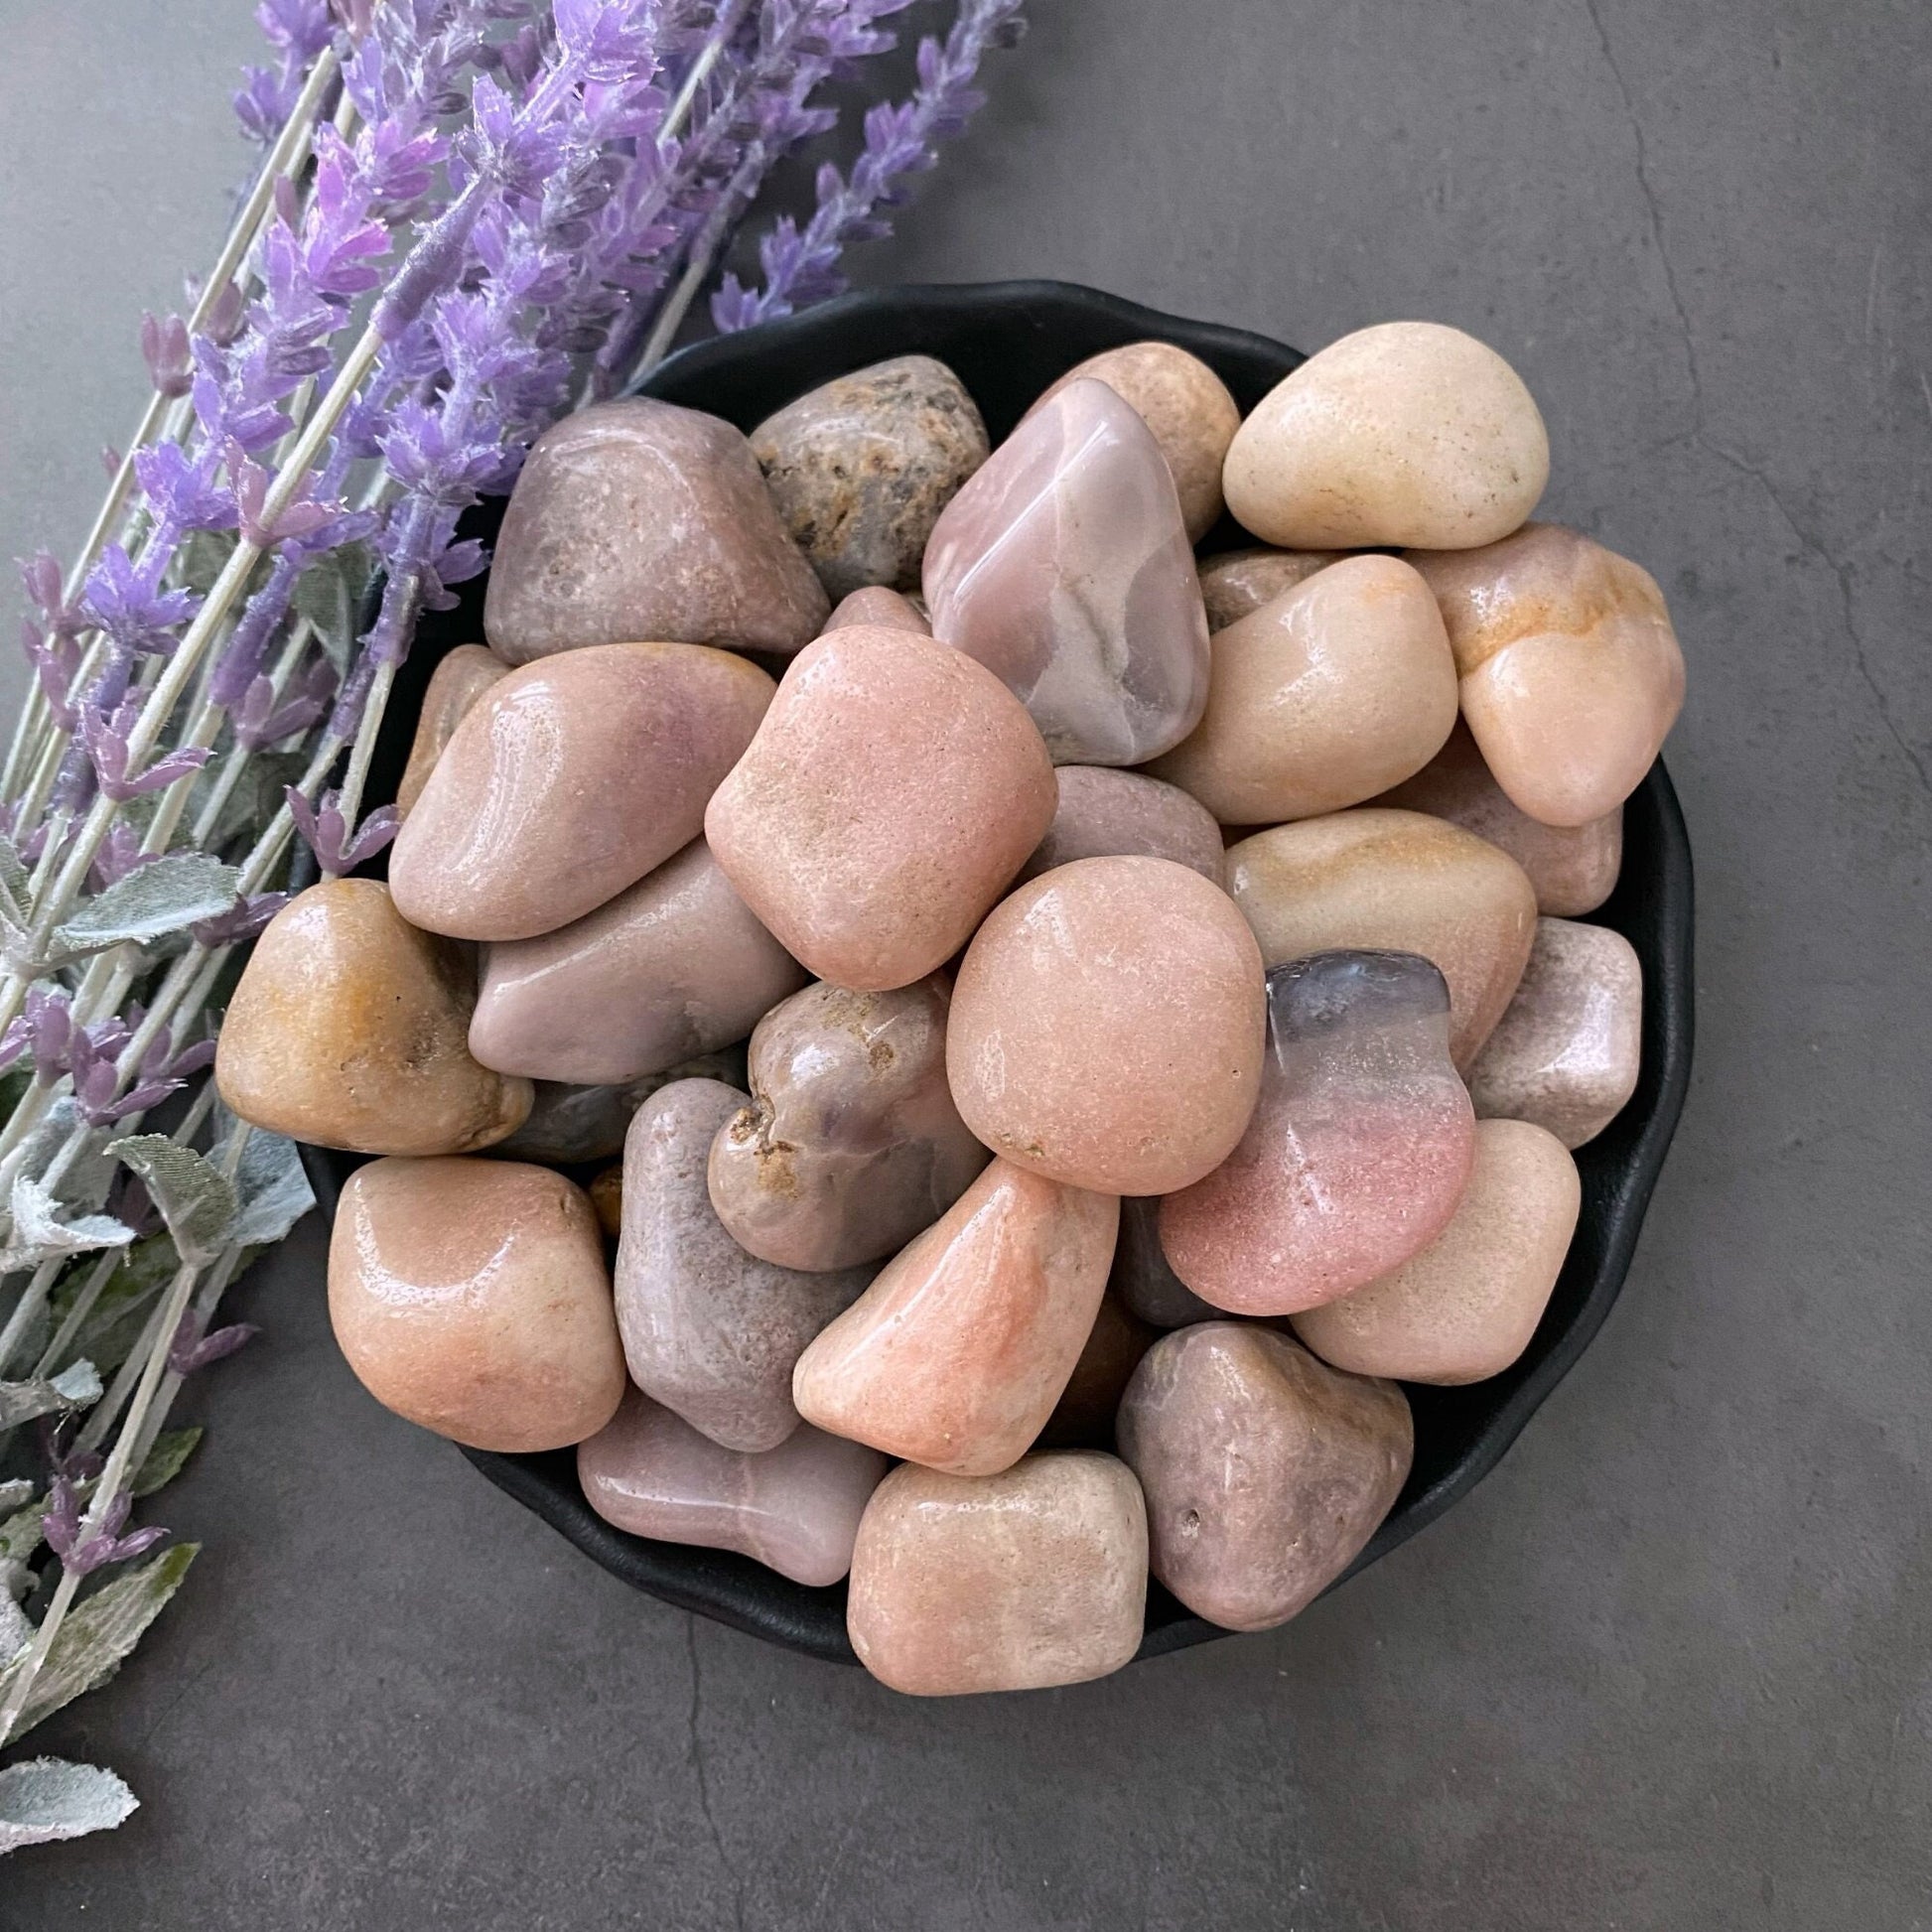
x: 1064, y: 568
x: 1143, y: 1277
x: 1109, y: 814
x: 878, y: 605
x: 638, y: 521
x: 458, y: 680
x: 1083, y: 1416
x: 1236, y: 582
x: 891, y: 791
x: 1004, y: 1582
x: 1107, y: 1027
x: 570, y: 1122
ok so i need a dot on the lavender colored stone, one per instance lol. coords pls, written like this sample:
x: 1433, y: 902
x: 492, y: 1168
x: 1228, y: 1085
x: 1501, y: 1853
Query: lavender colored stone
x: 1065, y: 568
x: 794, y: 1508
x: 1105, y: 814
x: 708, y: 1330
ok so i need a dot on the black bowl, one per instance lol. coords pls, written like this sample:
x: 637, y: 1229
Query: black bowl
x: 1008, y: 340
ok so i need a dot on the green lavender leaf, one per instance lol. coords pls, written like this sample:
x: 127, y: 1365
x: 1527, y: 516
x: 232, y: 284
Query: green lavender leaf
x: 165, y: 1460
x: 194, y: 1197
x: 274, y: 1189
x: 20, y: 1534
x: 171, y: 893
x: 46, y: 1798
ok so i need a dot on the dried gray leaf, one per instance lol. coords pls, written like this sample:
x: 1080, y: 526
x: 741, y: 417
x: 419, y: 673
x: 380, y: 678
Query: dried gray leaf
x: 192, y: 1196
x: 16, y: 1627
x: 78, y: 1387
x: 14, y: 885
x: 330, y: 595
x: 20, y: 1534
x: 165, y: 1460
x: 98, y: 1633
x: 15, y: 1491
x: 47, y: 1798
x: 274, y: 1189
x: 40, y: 1234
x: 171, y: 893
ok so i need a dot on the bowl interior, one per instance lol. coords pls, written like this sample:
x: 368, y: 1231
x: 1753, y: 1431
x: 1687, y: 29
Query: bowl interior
x: 1008, y: 342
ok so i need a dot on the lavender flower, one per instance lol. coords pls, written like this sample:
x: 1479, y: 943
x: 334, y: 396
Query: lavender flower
x: 327, y: 836
x: 298, y: 30
x: 261, y: 721
x: 103, y: 736
x: 191, y: 1349
x: 120, y: 855
x: 97, y: 1077
x: 164, y: 348
x: 56, y: 664
x: 61, y: 1526
x: 76, y: 1465
x: 247, y: 918
x: 124, y: 598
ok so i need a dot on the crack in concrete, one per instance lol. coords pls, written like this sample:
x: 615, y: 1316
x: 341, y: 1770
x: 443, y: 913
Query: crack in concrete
x: 694, y: 1748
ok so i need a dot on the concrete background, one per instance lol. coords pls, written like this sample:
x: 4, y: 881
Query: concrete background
x: 1668, y: 1668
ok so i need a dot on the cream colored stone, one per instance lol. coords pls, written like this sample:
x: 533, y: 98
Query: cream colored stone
x: 1235, y: 581
x: 458, y: 680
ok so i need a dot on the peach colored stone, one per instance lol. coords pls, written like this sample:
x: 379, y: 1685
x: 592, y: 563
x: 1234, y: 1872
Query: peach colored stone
x: 1394, y: 881
x: 1187, y: 407
x: 1108, y: 814
x: 852, y: 1143
x: 877, y: 606
x: 1005, y: 1583
x: 472, y: 1296
x: 1565, y: 1052
x: 1358, y: 1149
x: 1573, y: 868
x: 1323, y: 698
x: 708, y: 1330
x: 1143, y: 1278
x: 1083, y: 1417
x: 568, y: 781
x: 1234, y: 583
x: 1406, y: 432
x: 349, y: 1029
x: 1466, y: 1306
x: 638, y: 518
x: 1107, y: 1027
x: 794, y: 1508
x: 891, y: 791
x: 674, y: 966
x: 1572, y: 675
x: 457, y: 681
x: 1265, y: 1471
x: 956, y: 1354
x: 1063, y: 567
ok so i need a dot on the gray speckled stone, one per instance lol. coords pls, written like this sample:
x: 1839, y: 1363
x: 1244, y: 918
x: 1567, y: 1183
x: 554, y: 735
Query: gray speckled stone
x: 569, y: 1122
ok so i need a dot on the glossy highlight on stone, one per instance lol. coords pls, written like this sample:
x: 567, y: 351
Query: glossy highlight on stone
x: 1108, y: 814
x: 1063, y: 567
x: 673, y: 967
x: 1466, y: 1306
x: 1359, y: 1148
x: 891, y: 791
x: 1564, y: 1053
x: 1235, y: 581
x: 794, y: 1508
x: 708, y: 1330
x: 1013, y: 1582
x: 569, y: 780
x: 472, y: 1296
x: 1265, y: 1471
x: 638, y: 519
x: 955, y: 1356
x: 1107, y: 1027
x: 852, y: 1144
x: 460, y: 678
x: 349, y: 1029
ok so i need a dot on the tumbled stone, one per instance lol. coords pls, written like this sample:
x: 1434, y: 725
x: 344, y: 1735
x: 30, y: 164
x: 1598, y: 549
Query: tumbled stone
x: 861, y: 467
x: 1083, y: 1417
x: 1323, y: 698
x: 1564, y: 1053
x: 1187, y: 407
x: 677, y: 965
x: 1358, y: 1149
x: 1572, y: 868
x: 1572, y: 675
x: 1394, y: 881
x: 1013, y: 1582
x: 708, y: 1329
x: 1466, y: 1306
x: 955, y: 1356
x: 794, y: 1508
x: 638, y: 519
x: 1064, y: 569
x: 1265, y: 1471
x: 569, y: 1124
x: 607, y: 1198
x: 569, y: 780
x: 878, y: 607
x: 852, y: 1143
x: 1108, y: 814
x: 1406, y: 432
x: 1107, y: 1027
x: 1143, y: 1277
x: 349, y: 1029
x: 1234, y: 583
x: 472, y: 1296
x: 457, y: 681
x: 891, y: 791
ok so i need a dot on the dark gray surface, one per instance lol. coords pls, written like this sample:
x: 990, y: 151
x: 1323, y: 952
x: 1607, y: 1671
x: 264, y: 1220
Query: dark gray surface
x: 1669, y: 1667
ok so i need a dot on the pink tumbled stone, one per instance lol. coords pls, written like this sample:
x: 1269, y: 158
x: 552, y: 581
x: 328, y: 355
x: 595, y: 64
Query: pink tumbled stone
x: 1357, y: 1153
x: 567, y: 781
x: 794, y: 1508
x: 1013, y: 1582
x: 876, y: 605
x: 956, y: 1354
x: 458, y: 680
x: 1063, y: 567
x: 673, y: 967
x: 1107, y: 1027
x: 1109, y: 814
x: 891, y: 791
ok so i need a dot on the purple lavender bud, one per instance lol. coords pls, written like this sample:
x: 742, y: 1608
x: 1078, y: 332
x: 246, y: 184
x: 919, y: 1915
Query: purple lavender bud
x: 164, y: 346
x: 49, y: 1023
x: 191, y: 1349
x: 124, y: 598
x: 180, y: 489
x: 120, y: 855
x: 243, y: 920
x: 57, y: 664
